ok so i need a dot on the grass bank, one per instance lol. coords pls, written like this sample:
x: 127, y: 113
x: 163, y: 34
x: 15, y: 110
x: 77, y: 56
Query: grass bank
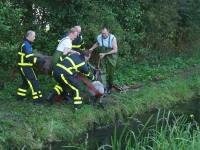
x: 25, y: 126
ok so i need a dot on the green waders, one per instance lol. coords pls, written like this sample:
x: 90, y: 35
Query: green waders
x: 108, y: 65
x: 56, y: 58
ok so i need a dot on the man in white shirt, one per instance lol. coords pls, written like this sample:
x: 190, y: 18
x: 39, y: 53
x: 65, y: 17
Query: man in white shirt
x: 65, y: 46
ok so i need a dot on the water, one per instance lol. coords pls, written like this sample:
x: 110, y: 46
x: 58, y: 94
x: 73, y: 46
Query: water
x: 102, y: 135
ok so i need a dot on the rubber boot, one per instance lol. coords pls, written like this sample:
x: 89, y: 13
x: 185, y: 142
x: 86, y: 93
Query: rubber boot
x: 109, y: 90
x: 68, y: 97
x: 105, y: 91
x: 39, y: 101
x: 51, y: 97
x: 20, y: 98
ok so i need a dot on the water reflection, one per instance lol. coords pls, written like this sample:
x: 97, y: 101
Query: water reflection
x: 102, y: 136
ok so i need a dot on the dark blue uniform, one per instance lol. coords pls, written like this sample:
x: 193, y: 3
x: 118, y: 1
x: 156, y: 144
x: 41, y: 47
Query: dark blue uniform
x: 26, y: 59
x: 65, y: 73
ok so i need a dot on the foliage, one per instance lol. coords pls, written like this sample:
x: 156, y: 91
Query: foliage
x: 145, y: 30
x: 146, y: 72
x: 10, y: 27
x: 169, y: 132
x: 155, y: 38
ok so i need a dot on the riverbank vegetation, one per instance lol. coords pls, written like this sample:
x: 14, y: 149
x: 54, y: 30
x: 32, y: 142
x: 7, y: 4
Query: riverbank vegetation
x: 169, y: 132
x: 26, y: 125
x: 158, y: 45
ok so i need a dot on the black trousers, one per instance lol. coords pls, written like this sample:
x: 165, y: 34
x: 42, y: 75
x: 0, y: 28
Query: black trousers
x: 69, y: 81
x: 29, y: 80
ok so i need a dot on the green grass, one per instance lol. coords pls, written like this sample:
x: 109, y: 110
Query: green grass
x: 29, y: 126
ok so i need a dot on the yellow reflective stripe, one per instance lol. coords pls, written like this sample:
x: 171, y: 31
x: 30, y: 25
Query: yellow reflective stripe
x: 61, y: 59
x: 77, y: 98
x: 34, y: 73
x: 71, y: 86
x: 87, y: 74
x: 59, y: 41
x: 35, y: 97
x: 22, y: 90
x: 82, y: 49
x: 35, y: 60
x: 74, y: 65
x: 92, y: 77
x: 57, y: 90
x: 25, y: 64
x: 20, y: 53
x: 21, y: 94
x: 34, y: 93
x: 76, y: 46
x: 30, y: 85
x: 40, y: 95
x: 29, y: 55
x: 79, y: 65
x: 66, y: 69
x: 77, y: 102
x: 59, y: 87
x: 22, y: 46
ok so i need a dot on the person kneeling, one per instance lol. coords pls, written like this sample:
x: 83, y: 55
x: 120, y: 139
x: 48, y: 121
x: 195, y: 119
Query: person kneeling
x: 65, y: 74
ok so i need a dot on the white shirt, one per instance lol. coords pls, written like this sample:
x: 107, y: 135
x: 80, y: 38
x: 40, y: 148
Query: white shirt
x: 65, y: 43
x: 105, y: 41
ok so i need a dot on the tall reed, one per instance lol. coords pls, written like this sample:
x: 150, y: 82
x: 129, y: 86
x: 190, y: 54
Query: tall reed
x: 170, y: 132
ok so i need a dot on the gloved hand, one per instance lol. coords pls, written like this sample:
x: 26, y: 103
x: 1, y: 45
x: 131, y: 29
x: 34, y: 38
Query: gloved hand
x: 40, y: 60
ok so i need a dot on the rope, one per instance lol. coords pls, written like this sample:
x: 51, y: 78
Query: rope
x: 123, y: 90
x: 92, y: 67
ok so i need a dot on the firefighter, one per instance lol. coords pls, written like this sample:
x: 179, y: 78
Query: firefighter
x: 108, y: 56
x: 26, y: 59
x: 64, y: 46
x: 78, y: 43
x: 65, y: 74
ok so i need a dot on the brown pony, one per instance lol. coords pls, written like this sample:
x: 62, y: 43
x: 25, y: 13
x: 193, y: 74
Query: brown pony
x: 45, y: 68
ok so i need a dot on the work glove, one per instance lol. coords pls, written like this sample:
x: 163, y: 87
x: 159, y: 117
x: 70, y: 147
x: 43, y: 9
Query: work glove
x: 40, y: 60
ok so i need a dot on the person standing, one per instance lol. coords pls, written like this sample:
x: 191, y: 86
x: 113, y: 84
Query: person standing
x: 26, y: 59
x: 64, y: 46
x: 65, y: 74
x: 108, y: 55
x: 78, y: 43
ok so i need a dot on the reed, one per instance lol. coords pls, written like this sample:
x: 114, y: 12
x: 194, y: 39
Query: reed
x: 170, y: 132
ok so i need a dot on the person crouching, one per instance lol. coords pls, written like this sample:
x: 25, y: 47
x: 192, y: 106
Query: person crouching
x: 65, y: 73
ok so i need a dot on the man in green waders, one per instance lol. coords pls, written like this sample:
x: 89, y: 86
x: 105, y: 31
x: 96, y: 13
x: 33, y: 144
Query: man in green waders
x: 108, y: 44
